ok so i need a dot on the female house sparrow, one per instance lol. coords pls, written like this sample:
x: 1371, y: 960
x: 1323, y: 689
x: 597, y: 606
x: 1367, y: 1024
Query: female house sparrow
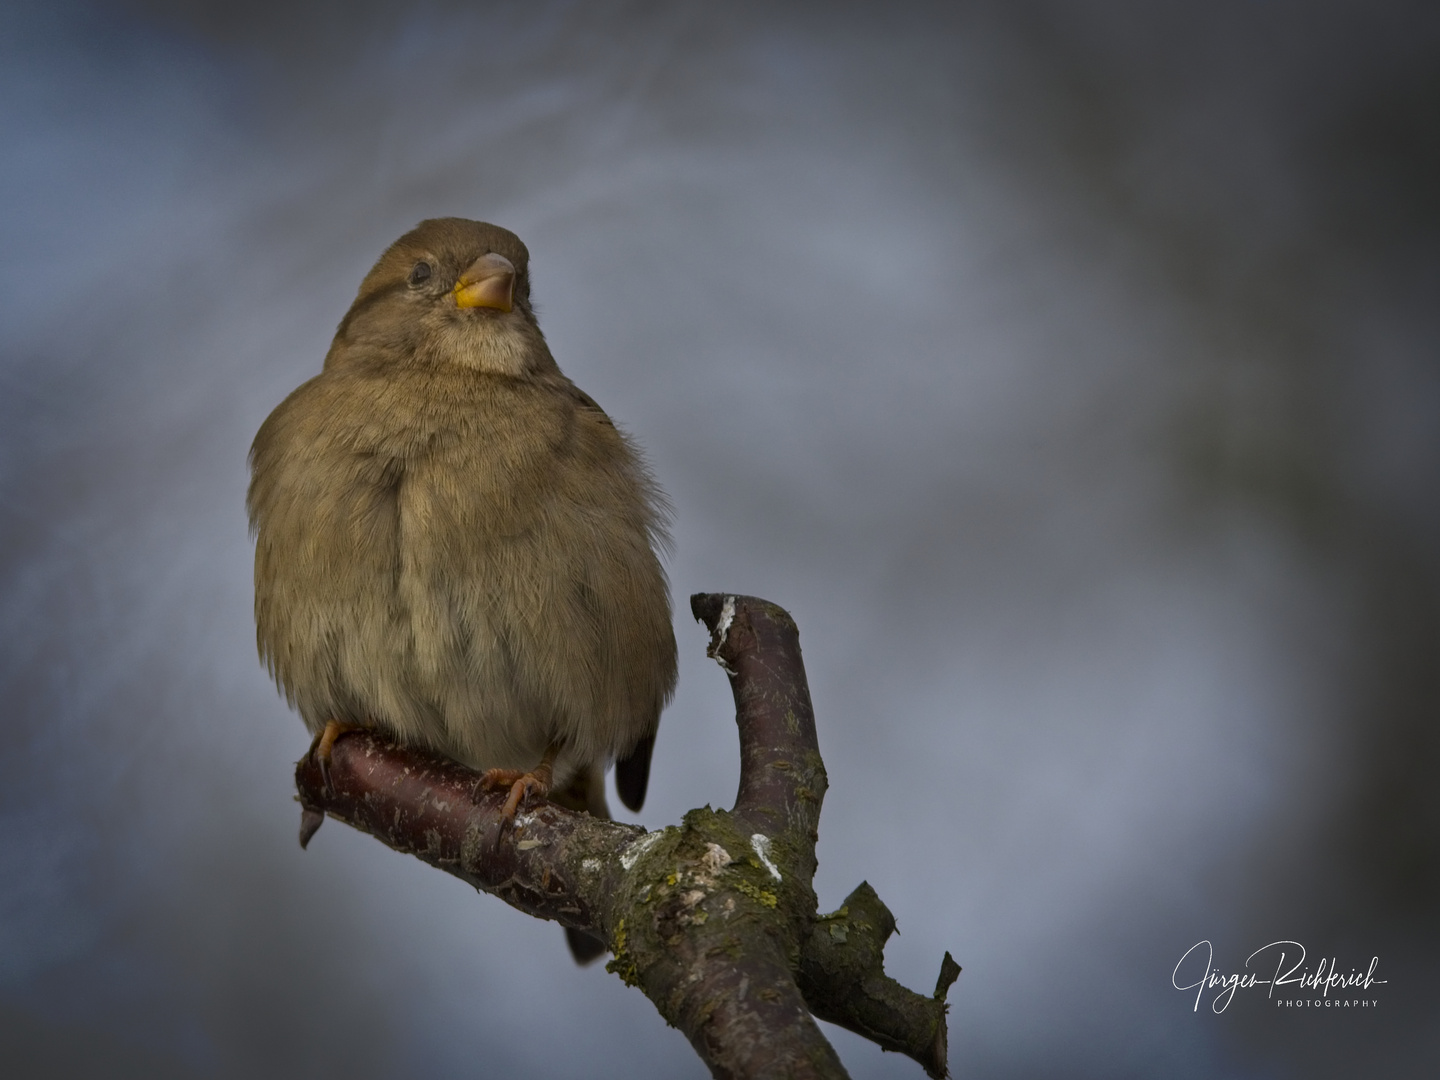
x: 454, y: 543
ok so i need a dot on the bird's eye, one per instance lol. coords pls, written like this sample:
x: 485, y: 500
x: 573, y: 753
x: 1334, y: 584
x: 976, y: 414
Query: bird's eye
x: 420, y: 273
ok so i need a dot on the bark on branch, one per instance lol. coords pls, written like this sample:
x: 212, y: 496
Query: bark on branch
x: 713, y: 919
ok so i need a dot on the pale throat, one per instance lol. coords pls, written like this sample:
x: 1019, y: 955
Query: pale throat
x: 499, y: 347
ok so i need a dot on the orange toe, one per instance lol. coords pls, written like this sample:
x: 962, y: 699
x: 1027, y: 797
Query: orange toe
x: 324, y: 745
x: 522, y: 785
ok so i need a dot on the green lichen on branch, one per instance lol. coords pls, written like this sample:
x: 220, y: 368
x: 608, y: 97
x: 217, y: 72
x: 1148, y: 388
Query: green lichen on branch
x: 761, y: 896
x: 622, y: 964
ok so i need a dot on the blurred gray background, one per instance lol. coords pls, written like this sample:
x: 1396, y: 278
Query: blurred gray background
x: 1068, y: 370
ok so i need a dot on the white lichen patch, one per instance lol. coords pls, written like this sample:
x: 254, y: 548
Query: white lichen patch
x: 722, y: 627
x: 727, y: 616
x: 715, y: 859
x: 631, y: 855
x: 761, y: 843
x: 699, y: 882
x: 590, y: 866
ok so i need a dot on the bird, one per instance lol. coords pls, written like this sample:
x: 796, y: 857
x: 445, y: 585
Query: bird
x: 455, y: 545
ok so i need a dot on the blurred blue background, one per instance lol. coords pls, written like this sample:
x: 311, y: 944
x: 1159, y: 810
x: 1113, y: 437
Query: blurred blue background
x: 1069, y: 371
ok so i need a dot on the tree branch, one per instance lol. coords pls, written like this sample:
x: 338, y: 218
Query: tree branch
x: 715, y: 919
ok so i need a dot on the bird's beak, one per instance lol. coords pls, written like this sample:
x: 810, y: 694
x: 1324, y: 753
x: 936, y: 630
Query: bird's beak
x: 488, y: 282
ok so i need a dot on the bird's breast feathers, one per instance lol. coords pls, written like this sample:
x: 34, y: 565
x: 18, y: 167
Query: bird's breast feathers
x: 461, y: 547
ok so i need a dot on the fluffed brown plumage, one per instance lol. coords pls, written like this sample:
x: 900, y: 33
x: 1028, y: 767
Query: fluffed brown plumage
x: 454, y: 543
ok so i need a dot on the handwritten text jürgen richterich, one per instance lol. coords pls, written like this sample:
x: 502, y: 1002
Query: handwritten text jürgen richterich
x: 1196, y: 971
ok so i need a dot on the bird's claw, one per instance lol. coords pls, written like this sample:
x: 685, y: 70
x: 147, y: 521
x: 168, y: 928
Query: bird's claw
x: 521, y: 785
x: 322, y: 747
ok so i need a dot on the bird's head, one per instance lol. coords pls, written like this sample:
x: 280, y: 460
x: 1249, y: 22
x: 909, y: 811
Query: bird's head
x: 450, y: 291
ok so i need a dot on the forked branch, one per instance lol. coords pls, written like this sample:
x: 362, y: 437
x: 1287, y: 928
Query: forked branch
x: 713, y: 919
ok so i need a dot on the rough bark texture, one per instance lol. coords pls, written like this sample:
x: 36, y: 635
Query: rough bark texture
x: 713, y: 919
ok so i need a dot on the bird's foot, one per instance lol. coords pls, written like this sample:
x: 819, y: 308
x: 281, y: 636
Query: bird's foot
x: 324, y: 744
x: 521, y: 785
